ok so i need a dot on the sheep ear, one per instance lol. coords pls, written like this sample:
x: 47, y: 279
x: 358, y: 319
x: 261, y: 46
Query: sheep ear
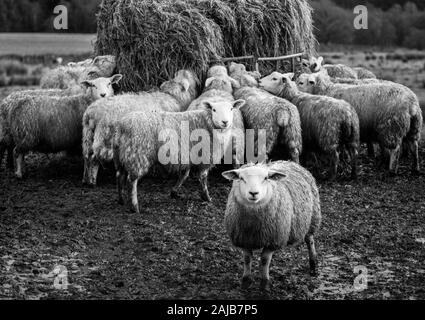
x: 95, y: 60
x: 116, y: 78
x: 291, y: 75
x: 92, y: 74
x: 231, y: 175
x: 276, y: 175
x: 87, y: 84
x: 185, y: 85
x: 208, y: 105
x: 320, y: 61
x: 238, y: 104
x: 208, y: 82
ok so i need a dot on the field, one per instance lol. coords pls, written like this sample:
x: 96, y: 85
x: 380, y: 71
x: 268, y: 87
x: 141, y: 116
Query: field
x: 179, y: 249
x: 41, y: 44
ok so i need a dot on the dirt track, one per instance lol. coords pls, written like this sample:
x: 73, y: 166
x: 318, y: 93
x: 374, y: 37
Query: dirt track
x: 178, y: 248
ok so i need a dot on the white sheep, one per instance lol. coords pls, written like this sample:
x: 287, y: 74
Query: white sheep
x: 278, y: 117
x: 329, y: 125
x: 144, y: 139
x: 340, y: 70
x: 270, y: 207
x: 100, y: 118
x: 52, y: 124
x: 389, y: 114
x: 9, y: 103
x: 64, y: 77
x: 217, y: 76
x: 237, y: 70
x: 217, y: 88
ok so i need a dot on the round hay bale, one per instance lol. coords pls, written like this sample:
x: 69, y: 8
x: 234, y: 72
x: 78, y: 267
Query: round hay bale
x: 154, y: 38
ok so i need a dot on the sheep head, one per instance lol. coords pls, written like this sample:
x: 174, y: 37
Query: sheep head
x: 253, y: 185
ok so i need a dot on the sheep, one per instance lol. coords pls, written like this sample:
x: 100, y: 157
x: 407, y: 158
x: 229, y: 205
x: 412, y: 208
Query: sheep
x: 217, y: 87
x: 218, y: 76
x: 279, y: 117
x: 340, y: 70
x: 9, y: 104
x: 363, y: 73
x: 269, y: 207
x: 100, y: 118
x: 141, y: 142
x: 52, y: 124
x: 64, y: 77
x: 389, y: 114
x: 84, y: 63
x: 329, y: 126
x: 237, y: 70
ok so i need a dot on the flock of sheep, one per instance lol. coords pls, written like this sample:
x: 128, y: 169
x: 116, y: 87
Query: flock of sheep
x: 327, y: 110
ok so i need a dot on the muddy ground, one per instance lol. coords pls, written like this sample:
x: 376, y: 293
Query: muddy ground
x: 179, y: 249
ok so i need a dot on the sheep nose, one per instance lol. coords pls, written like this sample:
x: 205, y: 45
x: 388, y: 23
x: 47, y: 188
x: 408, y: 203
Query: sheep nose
x: 253, y: 194
x: 225, y: 123
x: 103, y: 95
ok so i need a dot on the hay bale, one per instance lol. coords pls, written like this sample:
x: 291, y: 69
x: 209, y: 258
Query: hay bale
x: 154, y: 38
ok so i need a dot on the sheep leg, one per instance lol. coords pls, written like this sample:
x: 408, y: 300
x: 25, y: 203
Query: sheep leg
x: 266, y: 258
x: 394, y: 155
x: 2, y: 151
x: 182, y: 178
x: 86, y: 171
x: 371, y: 149
x: 354, y: 155
x: 203, y: 179
x: 94, y: 169
x: 10, y: 159
x: 247, y: 270
x: 312, y: 254
x: 20, y: 162
x: 121, y: 178
x: 414, y: 150
x: 134, y: 200
x: 334, y: 165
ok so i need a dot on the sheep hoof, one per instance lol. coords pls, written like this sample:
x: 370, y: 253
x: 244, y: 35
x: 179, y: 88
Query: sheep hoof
x: 265, y: 285
x: 174, y: 194
x: 416, y: 172
x: 19, y: 176
x: 314, y: 272
x: 246, y: 282
x: 313, y: 269
x: 206, y: 198
x: 392, y: 174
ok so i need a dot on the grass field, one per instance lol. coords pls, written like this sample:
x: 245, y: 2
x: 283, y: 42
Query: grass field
x: 40, y: 44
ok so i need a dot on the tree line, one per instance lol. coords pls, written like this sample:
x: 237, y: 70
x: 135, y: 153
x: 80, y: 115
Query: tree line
x: 37, y: 16
x: 398, y: 25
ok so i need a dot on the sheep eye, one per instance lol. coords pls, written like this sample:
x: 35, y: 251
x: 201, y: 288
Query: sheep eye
x: 274, y: 79
x: 214, y: 110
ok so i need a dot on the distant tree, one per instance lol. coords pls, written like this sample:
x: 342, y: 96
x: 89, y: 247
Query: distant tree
x: 334, y: 24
